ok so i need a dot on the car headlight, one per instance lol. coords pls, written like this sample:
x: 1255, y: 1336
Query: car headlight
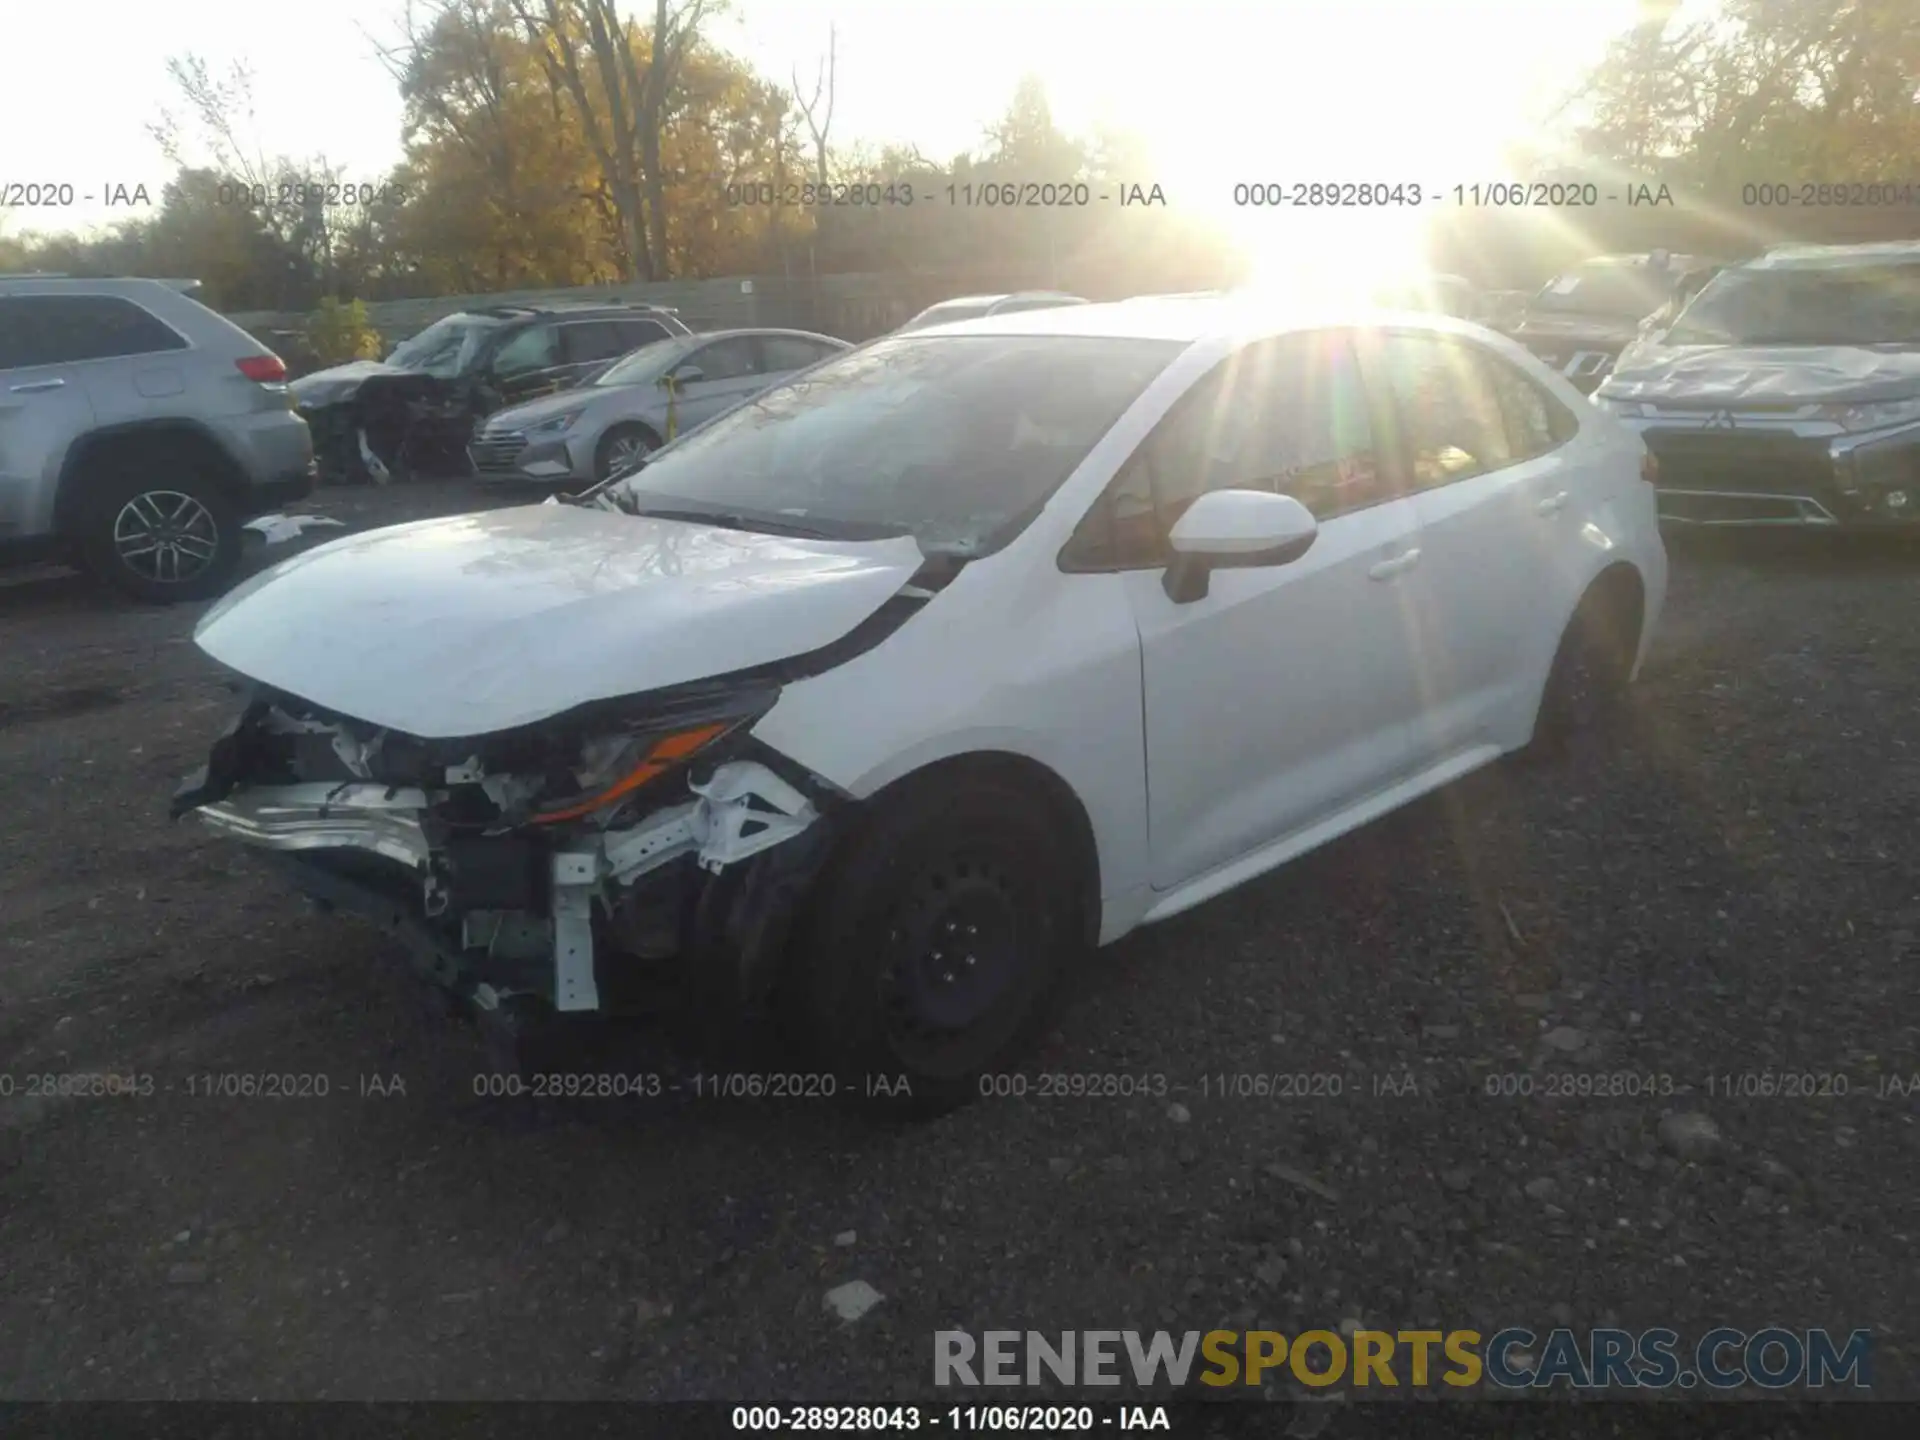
x: 608, y: 768
x: 1874, y: 415
x: 555, y: 424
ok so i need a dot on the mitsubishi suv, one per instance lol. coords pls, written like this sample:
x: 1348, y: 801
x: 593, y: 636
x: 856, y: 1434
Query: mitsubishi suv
x: 138, y: 430
x: 1787, y: 392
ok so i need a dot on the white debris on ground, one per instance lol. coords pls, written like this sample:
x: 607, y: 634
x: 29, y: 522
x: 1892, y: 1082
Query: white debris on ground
x: 853, y: 1299
x: 278, y: 529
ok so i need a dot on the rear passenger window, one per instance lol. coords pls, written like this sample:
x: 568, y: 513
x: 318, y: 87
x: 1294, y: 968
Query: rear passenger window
x: 635, y: 333
x: 781, y: 353
x: 1451, y: 422
x: 589, y: 340
x: 64, y: 329
x: 1536, y: 422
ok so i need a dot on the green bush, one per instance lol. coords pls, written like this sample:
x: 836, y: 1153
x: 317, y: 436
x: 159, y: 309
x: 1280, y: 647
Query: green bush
x: 340, y: 331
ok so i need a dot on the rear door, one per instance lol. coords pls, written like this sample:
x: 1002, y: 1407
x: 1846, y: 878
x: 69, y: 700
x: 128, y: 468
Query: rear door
x: 44, y: 407
x: 1481, y: 448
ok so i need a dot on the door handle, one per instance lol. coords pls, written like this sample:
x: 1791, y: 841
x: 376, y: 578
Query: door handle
x: 1552, y: 504
x: 1400, y: 563
x: 35, y: 387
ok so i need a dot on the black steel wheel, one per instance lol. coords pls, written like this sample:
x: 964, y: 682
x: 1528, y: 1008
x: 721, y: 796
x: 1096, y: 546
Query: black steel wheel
x: 936, y: 945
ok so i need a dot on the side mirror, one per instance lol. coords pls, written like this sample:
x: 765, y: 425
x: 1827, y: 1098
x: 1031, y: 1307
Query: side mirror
x: 1235, y: 529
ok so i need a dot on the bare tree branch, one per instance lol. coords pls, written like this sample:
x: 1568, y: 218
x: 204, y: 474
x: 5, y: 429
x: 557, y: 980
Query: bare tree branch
x: 819, y: 125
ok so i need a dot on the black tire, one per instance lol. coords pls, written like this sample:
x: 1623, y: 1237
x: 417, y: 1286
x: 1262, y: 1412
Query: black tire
x: 1586, y: 693
x: 633, y: 439
x: 900, y: 1000
x: 188, y: 512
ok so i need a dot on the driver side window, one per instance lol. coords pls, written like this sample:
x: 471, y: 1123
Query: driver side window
x: 1287, y: 415
x: 729, y: 359
x: 535, y: 348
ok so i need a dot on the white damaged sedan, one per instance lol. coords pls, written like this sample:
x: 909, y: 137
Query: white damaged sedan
x: 880, y: 699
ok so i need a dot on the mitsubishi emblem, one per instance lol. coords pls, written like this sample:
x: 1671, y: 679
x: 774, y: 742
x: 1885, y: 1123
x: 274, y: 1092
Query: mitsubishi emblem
x: 1720, y: 420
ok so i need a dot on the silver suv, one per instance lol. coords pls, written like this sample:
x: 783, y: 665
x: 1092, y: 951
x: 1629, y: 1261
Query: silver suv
x: 138, y: 430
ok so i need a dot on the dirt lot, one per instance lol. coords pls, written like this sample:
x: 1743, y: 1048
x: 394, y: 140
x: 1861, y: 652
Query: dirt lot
x: 1732, y: 891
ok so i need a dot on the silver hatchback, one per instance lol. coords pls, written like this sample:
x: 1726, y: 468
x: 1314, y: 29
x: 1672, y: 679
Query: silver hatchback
x: 638, y: 403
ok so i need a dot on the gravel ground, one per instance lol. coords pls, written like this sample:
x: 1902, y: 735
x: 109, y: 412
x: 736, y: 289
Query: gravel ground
x: 1727, y: 891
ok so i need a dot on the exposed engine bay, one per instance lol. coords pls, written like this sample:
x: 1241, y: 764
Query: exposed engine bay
x: 587, y: 863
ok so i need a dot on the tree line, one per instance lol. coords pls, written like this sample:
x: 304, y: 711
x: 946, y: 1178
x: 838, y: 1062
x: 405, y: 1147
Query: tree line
x: 551, y: 143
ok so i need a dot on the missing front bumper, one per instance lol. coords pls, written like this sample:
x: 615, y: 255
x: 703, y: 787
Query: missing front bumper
x: 491, y: 917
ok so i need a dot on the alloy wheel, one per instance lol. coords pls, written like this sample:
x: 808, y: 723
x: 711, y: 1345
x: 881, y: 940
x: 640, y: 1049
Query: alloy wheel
x: 624, y: 451
x: 166, y: 536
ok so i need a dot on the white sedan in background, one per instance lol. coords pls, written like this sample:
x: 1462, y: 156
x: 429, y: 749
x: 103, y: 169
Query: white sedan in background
x: 881, y: 699
x: 975, y: 307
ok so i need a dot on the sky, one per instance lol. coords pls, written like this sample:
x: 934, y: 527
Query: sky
x: 1222, y: 90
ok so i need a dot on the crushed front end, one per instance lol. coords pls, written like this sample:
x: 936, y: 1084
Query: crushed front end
x: 599, y: 861
x: 390, y: 426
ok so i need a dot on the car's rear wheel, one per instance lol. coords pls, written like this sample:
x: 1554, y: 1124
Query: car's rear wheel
x: 621, y: 448
x: 1587, y: 688
x: 161, y: 533
x: 933, y: 953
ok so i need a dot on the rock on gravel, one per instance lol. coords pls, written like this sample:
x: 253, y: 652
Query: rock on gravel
x: 1690, y: 1135
x: 852, y: 1300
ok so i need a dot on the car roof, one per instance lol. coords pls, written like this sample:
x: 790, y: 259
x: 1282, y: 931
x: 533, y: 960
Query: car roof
x: 1676, y: 264
x: 39, y: 283
x: 1835, y: 257
x: 765, y: 330
x: 1185, y: 319
x: 571, y: 310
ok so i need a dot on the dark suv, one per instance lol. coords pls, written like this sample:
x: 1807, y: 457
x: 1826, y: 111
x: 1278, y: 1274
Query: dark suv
x: 416, y: 409
x: 1582, y: 319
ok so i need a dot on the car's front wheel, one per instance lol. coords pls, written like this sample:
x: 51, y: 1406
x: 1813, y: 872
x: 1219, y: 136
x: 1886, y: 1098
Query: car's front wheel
x: 934, y: 950
x: 161, y: 534
x: 622, y: 448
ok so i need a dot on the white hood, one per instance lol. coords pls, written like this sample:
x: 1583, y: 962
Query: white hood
x: 479, y: 623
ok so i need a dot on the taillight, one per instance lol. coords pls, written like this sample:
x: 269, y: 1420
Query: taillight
x: 264, y: 369
x: 1650, y: 468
